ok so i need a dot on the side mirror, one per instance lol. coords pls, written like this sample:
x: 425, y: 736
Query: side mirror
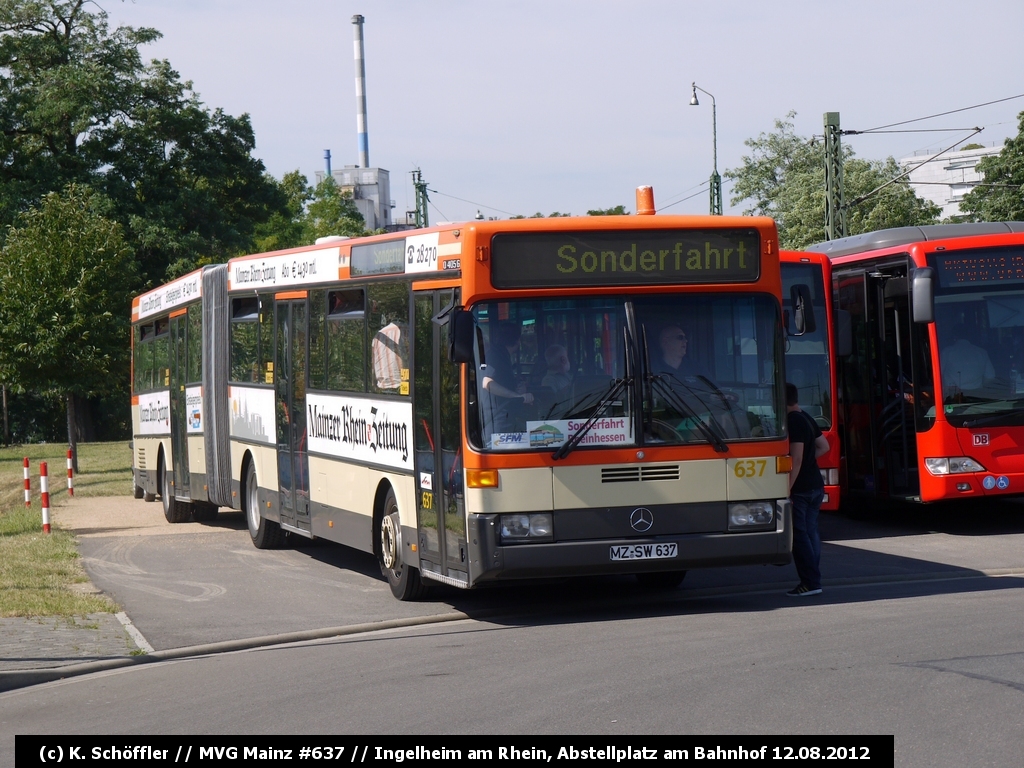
x: 462, y: 336
x: 803, y: 310
x: 844, y: 333
x: 923, y: 295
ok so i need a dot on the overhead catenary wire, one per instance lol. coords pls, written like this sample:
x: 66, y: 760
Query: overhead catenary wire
x: 880, y: 128
x: 471, y: 202
x: 907, y: 172
x: 683, y: 200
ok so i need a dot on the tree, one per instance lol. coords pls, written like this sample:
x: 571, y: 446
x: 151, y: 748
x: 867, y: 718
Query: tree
x: 68, y: 276
x: 331, y: 212
x: 784, y: 178
x: 1001, y: 198
x: 618, y: 210
x: 77, y: 105
x: 285, y: 228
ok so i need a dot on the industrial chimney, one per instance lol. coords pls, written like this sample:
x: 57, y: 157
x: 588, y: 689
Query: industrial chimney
x: 364, y: 141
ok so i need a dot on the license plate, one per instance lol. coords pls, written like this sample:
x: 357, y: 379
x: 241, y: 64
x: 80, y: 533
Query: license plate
x: 644, y: 551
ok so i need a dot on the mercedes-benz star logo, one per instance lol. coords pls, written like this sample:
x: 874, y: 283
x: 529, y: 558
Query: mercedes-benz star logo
x: 641, y: 519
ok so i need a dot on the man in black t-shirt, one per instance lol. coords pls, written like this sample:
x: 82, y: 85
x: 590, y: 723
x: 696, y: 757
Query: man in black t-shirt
x: 806, y: 490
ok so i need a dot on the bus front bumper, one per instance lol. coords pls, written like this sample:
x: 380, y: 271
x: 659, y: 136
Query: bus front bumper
x: 490, y: 561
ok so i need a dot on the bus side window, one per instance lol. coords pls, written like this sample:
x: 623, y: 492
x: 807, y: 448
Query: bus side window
x: 244, y: 313
x: 162, y: 353
x: 388, y: 322
x: 346, y: 333
x: 143, y: 358
x: 265, y: 375
x: 317, y: 341
x: 195, y: 344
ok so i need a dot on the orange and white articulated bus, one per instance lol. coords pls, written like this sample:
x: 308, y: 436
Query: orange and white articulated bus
x: 501, y: 400
x: 811, y: 356
x: 931, y: 400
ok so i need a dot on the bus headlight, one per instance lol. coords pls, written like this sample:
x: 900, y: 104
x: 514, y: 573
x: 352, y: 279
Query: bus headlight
x: 830, y: 476
x: 748, y: 515
x: 955, y: 466
x: 523, y: 527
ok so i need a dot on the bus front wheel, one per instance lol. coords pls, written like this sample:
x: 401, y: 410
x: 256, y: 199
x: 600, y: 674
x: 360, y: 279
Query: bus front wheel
x: 403, y: 579
x: 266, y: 534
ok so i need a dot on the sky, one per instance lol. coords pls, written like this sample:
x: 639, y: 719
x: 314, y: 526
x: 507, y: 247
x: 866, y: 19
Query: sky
x: 568, y: 105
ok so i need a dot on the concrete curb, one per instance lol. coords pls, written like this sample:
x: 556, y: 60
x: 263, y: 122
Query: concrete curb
x: 23, y: 678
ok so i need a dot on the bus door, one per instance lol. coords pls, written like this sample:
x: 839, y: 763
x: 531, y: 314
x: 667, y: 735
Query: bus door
x: 292, y: 325
x: 877, y: 384
x: 179, y: 416
x: 897, y: 433
x: 856, y: 383
x: 441, y: 526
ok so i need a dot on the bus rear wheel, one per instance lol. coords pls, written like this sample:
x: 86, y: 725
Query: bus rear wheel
x: 403, y: 579
x: 661, y: 580
x: 265, y: 534
x: 174, y: 511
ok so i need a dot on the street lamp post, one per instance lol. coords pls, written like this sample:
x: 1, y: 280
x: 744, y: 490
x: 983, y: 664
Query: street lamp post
x: 716, y: 180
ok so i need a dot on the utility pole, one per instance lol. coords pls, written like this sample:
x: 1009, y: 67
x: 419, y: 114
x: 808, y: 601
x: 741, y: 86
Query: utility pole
x: 421, y: 199
x: 835, y: 211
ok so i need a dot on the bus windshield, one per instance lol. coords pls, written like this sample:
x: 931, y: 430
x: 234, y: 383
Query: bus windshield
x: 702, y: 369
x: 807, y: 356
x: 979, y: 323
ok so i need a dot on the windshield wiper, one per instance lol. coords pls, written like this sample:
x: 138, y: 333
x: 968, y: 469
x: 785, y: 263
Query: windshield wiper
x: 615, y: 389
x: 683, y: 407
x: 1008, y: 417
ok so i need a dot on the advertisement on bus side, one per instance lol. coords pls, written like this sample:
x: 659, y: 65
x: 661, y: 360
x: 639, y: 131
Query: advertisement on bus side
x: 252, y: 414
x: 155, y: 413
x: 193, y: 410
x: 167, y: 297
x: 372, y: 431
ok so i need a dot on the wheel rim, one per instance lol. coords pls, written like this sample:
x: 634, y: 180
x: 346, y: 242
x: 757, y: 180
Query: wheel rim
x: 254, y: 509
x: 389, y: 542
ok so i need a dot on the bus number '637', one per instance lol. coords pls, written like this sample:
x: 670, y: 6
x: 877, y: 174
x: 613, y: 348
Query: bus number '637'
x: 750, y: 467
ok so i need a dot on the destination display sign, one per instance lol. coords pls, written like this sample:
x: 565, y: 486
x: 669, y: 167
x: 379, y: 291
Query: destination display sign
x: 632, y: 257
x: 385, y: 258
x: 963, y: 269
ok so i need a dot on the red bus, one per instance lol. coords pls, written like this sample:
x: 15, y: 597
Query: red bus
x: 811, y: 356
x: 931, y: 398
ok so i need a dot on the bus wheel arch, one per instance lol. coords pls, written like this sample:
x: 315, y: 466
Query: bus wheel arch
x: 403, y: 579
x: 265, y: 534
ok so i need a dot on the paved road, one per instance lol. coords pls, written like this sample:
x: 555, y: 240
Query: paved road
x: 207, y: 583
x: 939, y: 664
x: 193, y: 584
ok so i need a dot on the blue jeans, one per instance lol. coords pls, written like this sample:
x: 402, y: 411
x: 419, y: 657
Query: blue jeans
x: 806, y: 541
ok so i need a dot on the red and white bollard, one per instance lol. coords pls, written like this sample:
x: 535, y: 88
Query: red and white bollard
x: 44, y: 491
x: 28, y: 485
x: 71, y: 476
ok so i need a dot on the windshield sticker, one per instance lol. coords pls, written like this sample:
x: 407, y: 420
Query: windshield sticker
x: 609, y: 431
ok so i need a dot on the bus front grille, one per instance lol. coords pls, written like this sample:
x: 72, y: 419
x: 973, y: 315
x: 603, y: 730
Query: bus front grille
x: 640, y: 474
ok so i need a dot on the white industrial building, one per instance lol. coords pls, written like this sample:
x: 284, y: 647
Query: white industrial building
x: 946, y: 179
x: 370, y: 189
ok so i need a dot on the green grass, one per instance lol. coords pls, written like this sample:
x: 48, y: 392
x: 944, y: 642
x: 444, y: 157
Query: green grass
x: 38, y: 570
